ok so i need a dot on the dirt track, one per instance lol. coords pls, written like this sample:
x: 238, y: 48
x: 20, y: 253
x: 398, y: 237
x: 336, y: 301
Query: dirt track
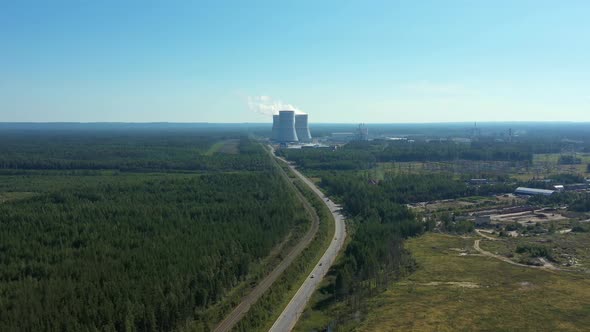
x: 247, y: 301
x: 547, y: 267
x: 481, y: 233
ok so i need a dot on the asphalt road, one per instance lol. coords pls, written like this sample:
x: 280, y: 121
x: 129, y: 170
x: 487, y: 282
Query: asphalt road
x: 290, y: 315
x: 247, y: 301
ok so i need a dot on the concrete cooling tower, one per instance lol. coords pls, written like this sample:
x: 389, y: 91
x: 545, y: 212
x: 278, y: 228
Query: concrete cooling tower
x: 275, y: 128
x: 301, y: 128
x: 287, y: 127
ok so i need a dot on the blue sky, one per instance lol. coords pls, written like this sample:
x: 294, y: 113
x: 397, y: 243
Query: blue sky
x: 339, y: 61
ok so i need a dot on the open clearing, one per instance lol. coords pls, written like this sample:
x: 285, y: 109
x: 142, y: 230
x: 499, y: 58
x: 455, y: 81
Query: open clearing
x: 228, y: 146
x: 13, y: 196
x: 542, y: 164
x: 506, y: 297
x: 466, y: 204
x: 570, y: 250
x: 528, y: 217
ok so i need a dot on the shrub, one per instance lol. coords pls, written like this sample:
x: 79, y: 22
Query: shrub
x: 534, y: 250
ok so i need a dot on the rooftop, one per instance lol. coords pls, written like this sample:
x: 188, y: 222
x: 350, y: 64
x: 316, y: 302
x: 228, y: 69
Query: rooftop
x: 533, y: 191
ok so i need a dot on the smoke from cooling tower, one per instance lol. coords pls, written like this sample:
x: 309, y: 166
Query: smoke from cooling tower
x: 268, y: 106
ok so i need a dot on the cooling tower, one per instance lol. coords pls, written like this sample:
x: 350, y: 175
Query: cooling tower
x: 287, y: 127
x: 275, y: 128
x: 301, y: 128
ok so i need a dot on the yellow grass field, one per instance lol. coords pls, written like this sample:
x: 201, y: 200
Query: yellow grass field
x: 455, y: 289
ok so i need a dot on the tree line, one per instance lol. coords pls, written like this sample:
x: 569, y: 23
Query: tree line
x: 129, y: 153
x: 377, y: 226
x: 447, y: 151
x: 404, y: 188
x: 365, y: 154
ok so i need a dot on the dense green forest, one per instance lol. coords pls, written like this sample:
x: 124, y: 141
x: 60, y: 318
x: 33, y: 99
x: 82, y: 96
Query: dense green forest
x: 380, y: 223
x: 120, y: 150
x: 581, y: 204
x: 402, y: 188
x: 272, y: 303
x: 441, y: 151
x: 320, y: 159
x: 375, y: 253
x: 365, y: 154
x: 377, y: 226
x: 116, y: 250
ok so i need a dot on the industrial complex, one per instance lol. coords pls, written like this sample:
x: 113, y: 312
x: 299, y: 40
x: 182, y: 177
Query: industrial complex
x: 288, y: 127
x: 291, y: 129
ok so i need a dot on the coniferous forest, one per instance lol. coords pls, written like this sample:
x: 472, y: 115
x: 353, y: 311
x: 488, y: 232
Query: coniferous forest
x: 107, y: 232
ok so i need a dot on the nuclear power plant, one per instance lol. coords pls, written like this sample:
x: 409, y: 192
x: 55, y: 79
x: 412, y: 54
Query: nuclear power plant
x: 302, y: 129
x: 290, y: 128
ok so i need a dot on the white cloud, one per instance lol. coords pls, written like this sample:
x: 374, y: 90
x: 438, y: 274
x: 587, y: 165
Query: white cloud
x: 268, y: 106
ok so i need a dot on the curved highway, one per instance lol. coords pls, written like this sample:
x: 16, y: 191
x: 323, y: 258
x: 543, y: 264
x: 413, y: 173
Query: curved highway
x: 250, y: 299
x: 290, y: 315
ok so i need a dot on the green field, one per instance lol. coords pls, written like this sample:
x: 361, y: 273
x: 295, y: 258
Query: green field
x: 542, y: 165
x: 548, y: 163
x: 455, y: 290
x: 228, y: 146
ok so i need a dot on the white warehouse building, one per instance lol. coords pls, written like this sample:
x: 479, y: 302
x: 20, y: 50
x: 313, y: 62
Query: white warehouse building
x: 533, y: 191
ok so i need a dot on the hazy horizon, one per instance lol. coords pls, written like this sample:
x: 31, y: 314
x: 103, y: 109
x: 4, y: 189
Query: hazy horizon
x: 265, y: 123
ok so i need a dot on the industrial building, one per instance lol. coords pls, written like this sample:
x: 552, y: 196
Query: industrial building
x: 302, y: 128
x: 482, y: 220
x: 533, y: 191
x: 576, y: 186
x: 287, y: 127
x: 478, y: 181
x: 275, y: 127
x: 309, y: 146
x: 363, y: 132
x: 343, y: 137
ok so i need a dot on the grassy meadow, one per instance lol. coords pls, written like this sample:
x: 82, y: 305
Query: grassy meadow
x: 455, y: 289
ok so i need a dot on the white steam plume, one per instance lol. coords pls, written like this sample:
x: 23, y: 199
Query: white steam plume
x: 268, y: 106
